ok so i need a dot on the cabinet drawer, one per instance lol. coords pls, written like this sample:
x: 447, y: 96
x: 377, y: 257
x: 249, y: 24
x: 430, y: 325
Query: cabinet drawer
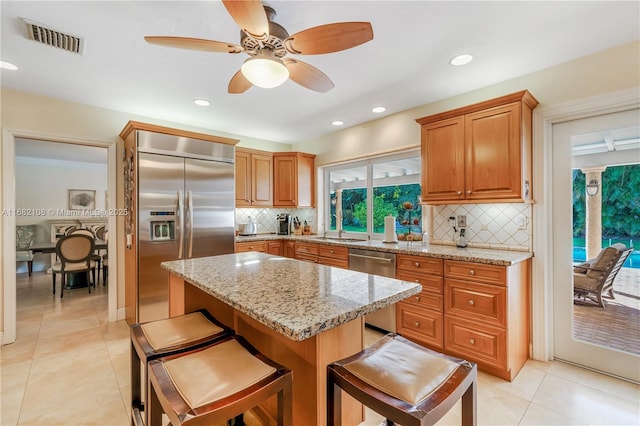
x: 250, y: 246
x: 419, y: 324
x: 338, y: 263
x: 424, y: 265
x: 306, y: 248
x: 307, y: 257
x: 475, y: 301
x: 335, y: 252
x: 425, y: 300
x: 491, y: 274
x: 428, y: 282
x: 476, y: 342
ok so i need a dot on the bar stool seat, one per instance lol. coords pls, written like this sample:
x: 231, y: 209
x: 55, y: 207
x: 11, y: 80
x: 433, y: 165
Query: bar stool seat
x: 403, y: 381
x: 217, y: 383
x: 155, y: 339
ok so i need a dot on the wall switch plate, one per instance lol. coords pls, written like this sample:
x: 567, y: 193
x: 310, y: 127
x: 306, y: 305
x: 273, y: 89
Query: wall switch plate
x: 484, y: 227
x: 461, y: 221
x: 521, y: 221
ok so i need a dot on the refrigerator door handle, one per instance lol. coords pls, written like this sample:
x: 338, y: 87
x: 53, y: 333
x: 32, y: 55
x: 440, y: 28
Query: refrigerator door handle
x: 179, y: 212
x: 190, y: 209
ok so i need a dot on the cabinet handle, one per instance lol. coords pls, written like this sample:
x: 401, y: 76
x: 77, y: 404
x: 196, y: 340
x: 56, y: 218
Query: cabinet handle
x: 417, y: 324
x: 472, y: 303
x: 417, y: 264
x: 459, y: 192
x: 472, y: 272
x: 472, y: 341
x: 248, y: 201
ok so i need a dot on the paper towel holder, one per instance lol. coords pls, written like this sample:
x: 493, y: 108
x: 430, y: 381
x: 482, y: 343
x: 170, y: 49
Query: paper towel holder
x: 390, y: 232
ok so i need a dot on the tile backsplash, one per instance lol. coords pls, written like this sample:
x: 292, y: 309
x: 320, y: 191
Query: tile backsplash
x: 266, y: 217
x: 497, y: 226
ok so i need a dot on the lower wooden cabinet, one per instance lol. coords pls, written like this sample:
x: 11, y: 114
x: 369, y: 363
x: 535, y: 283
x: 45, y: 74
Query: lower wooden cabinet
x: 475, y: 311
x: 275, y: 247
x: 306, y: 251
x: 333, y: 256
x: 289, y: 248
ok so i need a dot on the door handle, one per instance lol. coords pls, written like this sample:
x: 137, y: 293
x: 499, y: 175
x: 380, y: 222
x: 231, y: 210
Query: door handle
x: 190, y: 210
x: 382, y: 259
x: 180, y: 214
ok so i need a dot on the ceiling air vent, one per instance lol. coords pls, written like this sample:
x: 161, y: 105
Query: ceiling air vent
x: 55, y: 38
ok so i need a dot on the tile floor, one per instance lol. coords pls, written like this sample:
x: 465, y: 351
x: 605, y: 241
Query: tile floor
x: 70, y: 366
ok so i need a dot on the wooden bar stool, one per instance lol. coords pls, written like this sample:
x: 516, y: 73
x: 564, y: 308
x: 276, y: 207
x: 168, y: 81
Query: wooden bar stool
x: 403, y: 381
x: 217, y: 383
x: 155, y: 339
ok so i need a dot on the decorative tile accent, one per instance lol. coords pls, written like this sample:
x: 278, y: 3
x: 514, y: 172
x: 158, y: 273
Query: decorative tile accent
x: 488, y: 225
x: 266, y: 217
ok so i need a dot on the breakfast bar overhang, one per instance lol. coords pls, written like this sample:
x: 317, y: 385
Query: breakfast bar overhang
x: 300, y: 314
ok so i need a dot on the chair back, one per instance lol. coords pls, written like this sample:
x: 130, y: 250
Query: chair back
x: 66, y: 230
x: 98, y: 230
x: 82, y: 231
x: 75, y: 248
x: 624, y: 254
x: 25, y: 235
x: 602, y: 265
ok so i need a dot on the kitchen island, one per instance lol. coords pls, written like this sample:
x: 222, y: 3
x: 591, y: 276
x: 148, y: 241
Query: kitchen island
x: 300, y: 314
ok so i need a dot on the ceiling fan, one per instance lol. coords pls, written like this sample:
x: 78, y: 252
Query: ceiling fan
x: 267, y: 43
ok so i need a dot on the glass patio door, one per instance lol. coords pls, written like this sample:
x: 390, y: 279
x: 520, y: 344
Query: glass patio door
x: 568, y: 344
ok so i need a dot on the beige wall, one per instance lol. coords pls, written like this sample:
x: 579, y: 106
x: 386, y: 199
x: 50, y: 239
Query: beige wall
x: 604, y: 72
x: 607, y: 71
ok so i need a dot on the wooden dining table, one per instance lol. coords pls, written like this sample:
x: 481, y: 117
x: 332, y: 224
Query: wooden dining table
x: 76, y: 280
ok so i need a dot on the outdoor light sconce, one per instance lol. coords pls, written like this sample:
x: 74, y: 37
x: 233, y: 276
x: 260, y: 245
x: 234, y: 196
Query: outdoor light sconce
x: 592, y: 187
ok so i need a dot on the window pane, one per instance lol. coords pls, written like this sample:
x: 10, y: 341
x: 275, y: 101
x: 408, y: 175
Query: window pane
x: 349, y: 187
x: 396, y: 192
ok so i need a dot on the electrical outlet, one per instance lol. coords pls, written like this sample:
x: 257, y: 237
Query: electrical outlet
x: 484, y: 227
x: 521, y: 221
x: 462, y: 221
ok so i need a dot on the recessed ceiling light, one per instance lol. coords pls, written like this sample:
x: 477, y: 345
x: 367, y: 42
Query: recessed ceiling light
x: 202, y: 102
x: 461, y: 59
x: 337, y: 123
x: 379, y: 109
x: 7, y: 66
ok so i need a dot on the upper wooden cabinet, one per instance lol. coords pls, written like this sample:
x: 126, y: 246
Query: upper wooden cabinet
x: 480, y: 153
x: 254, y: 178
x: 294, y: 183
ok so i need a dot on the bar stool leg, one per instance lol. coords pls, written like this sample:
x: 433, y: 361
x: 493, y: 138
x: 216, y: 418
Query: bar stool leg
x: 469, y: 411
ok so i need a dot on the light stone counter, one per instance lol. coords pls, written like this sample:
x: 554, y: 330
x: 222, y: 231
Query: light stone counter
x: 415, y: 248
x: 294, y: 298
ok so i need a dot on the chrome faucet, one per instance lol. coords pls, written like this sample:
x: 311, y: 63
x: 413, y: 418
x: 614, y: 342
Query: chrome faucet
x: 340, y: 232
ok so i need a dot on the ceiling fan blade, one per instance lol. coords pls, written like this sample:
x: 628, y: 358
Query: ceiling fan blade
x: 194, y: 44
x: 307, y: 75
x: 239, y: 83
x: 250, y: 16
x: 329, y: 38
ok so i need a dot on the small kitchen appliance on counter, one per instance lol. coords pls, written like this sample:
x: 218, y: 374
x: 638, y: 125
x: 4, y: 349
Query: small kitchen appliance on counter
x: 250, y: 228
x: 283, y: 224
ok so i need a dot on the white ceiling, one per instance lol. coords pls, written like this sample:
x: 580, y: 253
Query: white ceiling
x: 406, y: 64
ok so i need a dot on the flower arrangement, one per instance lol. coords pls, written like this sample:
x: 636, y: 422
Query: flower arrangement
x: 407, y: 222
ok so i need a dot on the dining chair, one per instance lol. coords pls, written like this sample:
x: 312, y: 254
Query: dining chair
x: 25, y: 235
x: 95, y: 256
x: 74, y: 252
x: 105, y: 260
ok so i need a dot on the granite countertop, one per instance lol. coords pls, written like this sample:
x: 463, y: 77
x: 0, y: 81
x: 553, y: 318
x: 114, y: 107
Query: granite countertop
x: 415, y: 248
x: 294, y: 298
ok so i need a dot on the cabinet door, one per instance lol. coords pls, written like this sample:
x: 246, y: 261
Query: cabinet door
x: 262, y: 180
x: 443, y: 160
x: 275, y: 247
x: 285, y: 180
x: 493, y: 163
x: 290, y: 249
x: 243, y: 179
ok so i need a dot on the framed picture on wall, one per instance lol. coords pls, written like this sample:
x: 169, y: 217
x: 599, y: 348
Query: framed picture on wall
x: 82, y: 199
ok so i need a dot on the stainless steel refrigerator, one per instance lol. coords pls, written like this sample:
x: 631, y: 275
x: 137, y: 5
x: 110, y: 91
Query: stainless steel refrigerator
x: 185, y: 209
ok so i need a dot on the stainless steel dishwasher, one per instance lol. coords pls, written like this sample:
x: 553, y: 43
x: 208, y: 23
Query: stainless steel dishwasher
x: 376, y: 263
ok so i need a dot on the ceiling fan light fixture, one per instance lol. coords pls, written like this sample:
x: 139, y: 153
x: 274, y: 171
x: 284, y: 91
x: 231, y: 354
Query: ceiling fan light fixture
x: 463, y: 59
x: 263, y: 70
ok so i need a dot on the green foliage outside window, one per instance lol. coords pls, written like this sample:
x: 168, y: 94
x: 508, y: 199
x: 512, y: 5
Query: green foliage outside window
x: 620, y: 203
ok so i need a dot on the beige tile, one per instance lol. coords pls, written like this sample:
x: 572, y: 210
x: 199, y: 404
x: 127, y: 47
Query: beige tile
x: 18, y: 351
x: 13, y: 380
x: 524, y: 385
x: 71, y: 343
x: 498, y: 407
x: 585, y: 403
x: 601, y: 382
x: 537, y: 415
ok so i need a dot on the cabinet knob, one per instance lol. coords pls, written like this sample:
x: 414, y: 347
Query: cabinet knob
x: 472, y: 341
x: 472, y: 272
x: 247, y: 200
x: 471, y: 302
x: 332, y: 251
x: 417, y: 324
x: 417, y: 298
x: 250, y: 247
x: 459, y: 192
x: 469, y: 192
x: 417, y: 264
x: 417, y: 281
